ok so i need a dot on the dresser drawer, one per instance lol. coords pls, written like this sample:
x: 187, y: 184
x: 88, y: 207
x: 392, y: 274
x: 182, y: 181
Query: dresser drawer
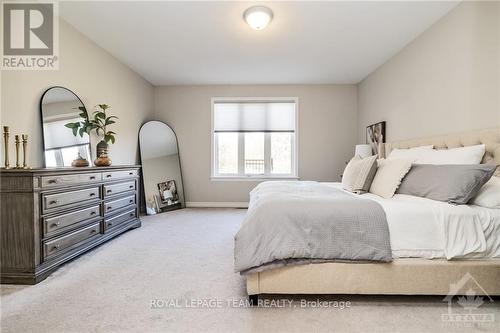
x: 112, y: 206
x: 62, y: 243
x: 112, y: 189
x: 66, y: 198
x: 119, y: 219
x: 111, y: 175
x: 85, y: 178
x: 53, y: 225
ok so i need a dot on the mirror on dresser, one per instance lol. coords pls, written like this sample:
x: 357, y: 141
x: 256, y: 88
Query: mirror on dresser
x: 60, y: 106
x: 161, y: 169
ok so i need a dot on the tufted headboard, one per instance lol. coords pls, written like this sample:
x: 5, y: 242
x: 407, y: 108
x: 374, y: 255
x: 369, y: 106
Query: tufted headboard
x: 490, y: 137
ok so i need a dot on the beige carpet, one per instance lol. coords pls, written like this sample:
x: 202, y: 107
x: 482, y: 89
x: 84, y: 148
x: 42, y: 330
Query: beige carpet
x: 187, y: 256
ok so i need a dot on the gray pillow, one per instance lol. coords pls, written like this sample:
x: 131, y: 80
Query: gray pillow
x: 456, y: 184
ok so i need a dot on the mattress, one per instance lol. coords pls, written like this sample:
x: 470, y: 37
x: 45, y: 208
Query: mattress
x: 424, y: 228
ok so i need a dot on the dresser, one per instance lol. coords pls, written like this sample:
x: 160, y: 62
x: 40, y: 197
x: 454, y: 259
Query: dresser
x: 50, y: 216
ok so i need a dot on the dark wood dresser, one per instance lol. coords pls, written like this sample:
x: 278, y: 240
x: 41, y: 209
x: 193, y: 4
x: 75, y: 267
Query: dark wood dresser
x: 50, y: 216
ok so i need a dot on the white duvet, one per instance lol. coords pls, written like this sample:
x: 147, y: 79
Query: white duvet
x: 425, y: 228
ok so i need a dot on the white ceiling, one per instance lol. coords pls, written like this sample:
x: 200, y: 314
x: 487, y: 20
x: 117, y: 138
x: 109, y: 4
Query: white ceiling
x: 171, y: 43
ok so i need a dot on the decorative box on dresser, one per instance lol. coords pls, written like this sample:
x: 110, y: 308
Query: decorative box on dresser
x: 50, y: 216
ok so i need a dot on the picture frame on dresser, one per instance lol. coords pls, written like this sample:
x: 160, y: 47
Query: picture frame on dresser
x: 50, y: 216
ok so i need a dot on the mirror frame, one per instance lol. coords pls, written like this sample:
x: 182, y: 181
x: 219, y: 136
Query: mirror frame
x: 143, y: 189
x: 41, y: 120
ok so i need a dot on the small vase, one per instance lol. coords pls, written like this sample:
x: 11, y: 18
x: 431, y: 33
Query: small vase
x: 80, y: 162
x: 102, y: 154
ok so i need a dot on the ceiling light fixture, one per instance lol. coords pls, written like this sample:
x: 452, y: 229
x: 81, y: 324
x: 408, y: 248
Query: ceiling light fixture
x: 258, y: 17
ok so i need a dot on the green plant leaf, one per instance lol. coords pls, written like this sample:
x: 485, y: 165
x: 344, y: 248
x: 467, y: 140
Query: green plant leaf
x: 97, y: 121
x: 101, y: 115
x: 84, y: 114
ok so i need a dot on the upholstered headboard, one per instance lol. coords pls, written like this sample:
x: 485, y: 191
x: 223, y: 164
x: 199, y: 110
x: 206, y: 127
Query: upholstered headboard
x: 490, y: 137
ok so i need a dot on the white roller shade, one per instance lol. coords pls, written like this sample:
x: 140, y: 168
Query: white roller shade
x: 254, y: 117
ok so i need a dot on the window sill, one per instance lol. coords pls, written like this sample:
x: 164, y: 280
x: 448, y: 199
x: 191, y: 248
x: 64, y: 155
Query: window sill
x: 251, y: 178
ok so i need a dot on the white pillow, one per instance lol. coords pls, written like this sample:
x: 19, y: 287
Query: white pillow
x: 489, y: 195
x: 359, y: 173
x: 410, y: 153
x: 462, y: 155
x: 389, y: 174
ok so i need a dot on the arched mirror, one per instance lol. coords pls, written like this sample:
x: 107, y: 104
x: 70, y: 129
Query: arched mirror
x: 161, y: 168
x: 60, y: 106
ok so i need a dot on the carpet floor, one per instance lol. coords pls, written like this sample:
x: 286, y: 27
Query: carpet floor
x: 175, y: 274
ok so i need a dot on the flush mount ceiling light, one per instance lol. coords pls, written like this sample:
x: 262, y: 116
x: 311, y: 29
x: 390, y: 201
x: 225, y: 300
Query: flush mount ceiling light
x: 258, y: 17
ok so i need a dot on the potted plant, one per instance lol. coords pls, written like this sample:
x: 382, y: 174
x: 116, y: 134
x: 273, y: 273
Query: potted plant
x: 98, y: 123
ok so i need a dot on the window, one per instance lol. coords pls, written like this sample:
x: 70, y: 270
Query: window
x: 254, y: 138
x: 64, y: 156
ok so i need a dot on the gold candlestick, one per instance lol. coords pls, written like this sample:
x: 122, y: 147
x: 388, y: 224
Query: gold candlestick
x: 6, y: 146
x: 18, y: 166
x: 25, y: 148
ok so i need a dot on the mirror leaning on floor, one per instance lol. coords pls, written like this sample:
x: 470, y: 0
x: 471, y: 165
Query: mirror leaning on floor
x: 161, y: 168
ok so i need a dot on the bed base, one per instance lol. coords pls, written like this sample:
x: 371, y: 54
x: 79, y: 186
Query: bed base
x: 400, y: 277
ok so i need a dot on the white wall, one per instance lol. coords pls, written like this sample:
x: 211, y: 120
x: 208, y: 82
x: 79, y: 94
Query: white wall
x: 96, y: 77
x: 447, y: 80
x: 327, y: 132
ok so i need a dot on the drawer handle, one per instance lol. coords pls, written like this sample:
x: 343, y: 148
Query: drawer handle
x: 53, y: 181
x: 57, y: 246
x: 92, y: 213
x: 132, y: 214
x: 92, y: 177
x: 109, y: 207
x: 131, y: 186
x: 53, y: 202
x: 109, y: 176
x: 110, y: 224
x: 92, y: 194
x: 93, y: 231
x: 131, y: 200
x: 55, y: 224
x: 131, y: 173
x: 109, y: 191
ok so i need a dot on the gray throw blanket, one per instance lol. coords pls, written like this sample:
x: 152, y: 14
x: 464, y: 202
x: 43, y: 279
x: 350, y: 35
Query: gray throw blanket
x: 307, y: 222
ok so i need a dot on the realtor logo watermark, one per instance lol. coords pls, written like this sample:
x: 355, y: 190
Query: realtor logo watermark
x: 465, y: 299
x: 30, y: 32
x: 218, y: 303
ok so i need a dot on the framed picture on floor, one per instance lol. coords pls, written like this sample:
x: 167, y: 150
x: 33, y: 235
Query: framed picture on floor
x: 168, y: 192
x: 375, y: 134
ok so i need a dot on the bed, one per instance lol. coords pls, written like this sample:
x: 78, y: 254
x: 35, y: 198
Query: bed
x: 424, y: 261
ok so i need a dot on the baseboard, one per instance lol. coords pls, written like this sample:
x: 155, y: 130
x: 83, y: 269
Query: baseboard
x: 191, y: 204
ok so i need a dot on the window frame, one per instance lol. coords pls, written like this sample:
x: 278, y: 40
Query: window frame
x: 241, y: 143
